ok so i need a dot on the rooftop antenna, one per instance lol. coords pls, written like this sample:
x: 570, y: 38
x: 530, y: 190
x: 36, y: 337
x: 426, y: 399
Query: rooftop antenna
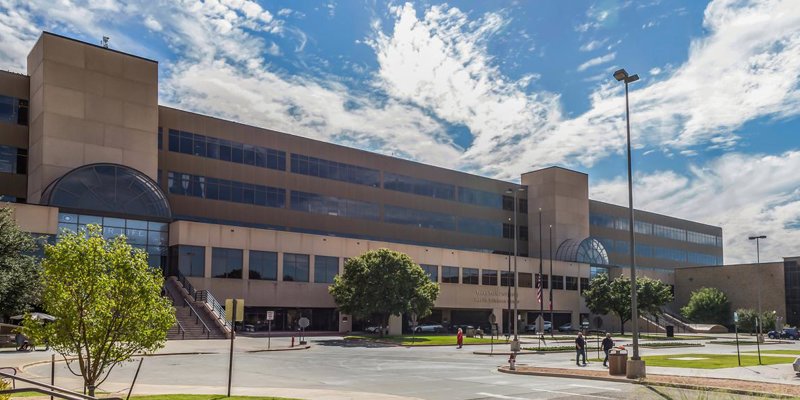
x: 104, y: 42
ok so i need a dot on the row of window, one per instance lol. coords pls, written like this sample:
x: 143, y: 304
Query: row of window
x: 489, y: 277
x: 226, y: 150
x: 13, y: 110
x: 337, y: 171
x: 225, y: 190
x: 13, y: 160
x: 664, y: 253
x: 262, y: 265
x: 647, y: 228
x: 329, y: 205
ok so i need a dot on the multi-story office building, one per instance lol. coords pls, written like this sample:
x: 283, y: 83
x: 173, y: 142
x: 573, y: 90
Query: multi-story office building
x: 247, y: 212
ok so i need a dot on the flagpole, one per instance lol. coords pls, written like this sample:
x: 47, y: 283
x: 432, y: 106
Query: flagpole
x: 540, y: 297
x: 550, y: 287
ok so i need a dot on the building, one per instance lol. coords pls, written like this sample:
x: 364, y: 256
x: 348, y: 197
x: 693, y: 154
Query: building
x: 247, y: 212
x: 777, y: 282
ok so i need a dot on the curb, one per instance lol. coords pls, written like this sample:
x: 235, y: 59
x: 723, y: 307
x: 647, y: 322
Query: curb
x: 284, y: 349
x: 61, y: 359
x: 645, y: 382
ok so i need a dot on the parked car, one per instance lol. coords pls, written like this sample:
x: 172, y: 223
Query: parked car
x: 430, y: 328
x: 454, y: 328
x: 787, y: 333
x: 568, y: 327
x: 372, y: 329
x: 531, y: 328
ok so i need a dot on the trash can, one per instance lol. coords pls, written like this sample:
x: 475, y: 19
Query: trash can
x: 670, y: 331
x: 617, y: 362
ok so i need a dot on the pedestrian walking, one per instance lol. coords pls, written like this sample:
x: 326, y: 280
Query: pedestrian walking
x: 460, y: 338
x: 607, y: 345
x: 580, y: 349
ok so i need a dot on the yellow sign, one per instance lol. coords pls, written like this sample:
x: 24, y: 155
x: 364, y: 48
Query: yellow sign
x: 239, y: 309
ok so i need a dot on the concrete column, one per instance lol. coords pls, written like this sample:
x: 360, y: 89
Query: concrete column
x: 208, y: 259
x: 345, y: 323
x: 280, y: 267
x: 245, y: 264
x: 395, y: 325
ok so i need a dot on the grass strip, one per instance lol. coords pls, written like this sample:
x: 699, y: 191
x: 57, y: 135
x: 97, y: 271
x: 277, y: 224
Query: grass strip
x: 711, y: 361
x: 205, y: 397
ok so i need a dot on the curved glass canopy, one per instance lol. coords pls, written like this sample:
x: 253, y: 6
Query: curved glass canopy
x: 108, y: 188
x: 588, y: 251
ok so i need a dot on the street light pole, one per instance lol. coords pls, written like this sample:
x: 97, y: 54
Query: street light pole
x: 758, y: 264
x: 515, y: 342
x: 636, y: 368
x: 550, y: 287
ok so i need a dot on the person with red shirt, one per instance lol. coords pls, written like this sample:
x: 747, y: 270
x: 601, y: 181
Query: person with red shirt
x: 460, y: 338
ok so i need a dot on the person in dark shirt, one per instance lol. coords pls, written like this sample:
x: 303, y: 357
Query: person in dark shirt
x: 580, y: 349
x: 607, y: 345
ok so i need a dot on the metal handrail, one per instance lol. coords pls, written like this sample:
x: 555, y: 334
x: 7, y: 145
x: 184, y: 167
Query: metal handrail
x: 13, y: 383
x: 216, y: 307
x: 181, y: 330
x: 185, y: 282
x: 199, y: 319
x: 44, y: 388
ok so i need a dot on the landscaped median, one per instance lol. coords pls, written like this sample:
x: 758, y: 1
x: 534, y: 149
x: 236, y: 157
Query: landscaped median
x: 590, y: 349
x: 712, y: 361
x: 734, y: 386
x: 423, y: 340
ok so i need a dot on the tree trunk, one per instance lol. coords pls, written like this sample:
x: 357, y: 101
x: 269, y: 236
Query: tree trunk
x: 621, y: 326
x: 384, y: 324
x: 90, y: 388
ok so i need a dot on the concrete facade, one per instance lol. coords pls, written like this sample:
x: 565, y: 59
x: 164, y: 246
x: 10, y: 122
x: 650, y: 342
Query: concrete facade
x: 89, y: 105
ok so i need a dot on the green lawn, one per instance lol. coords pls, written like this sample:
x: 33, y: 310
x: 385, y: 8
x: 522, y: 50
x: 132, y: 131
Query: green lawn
x: 424, y: 340
x: 205, y: 397
x: 794, y: 353
x: 711, y: 361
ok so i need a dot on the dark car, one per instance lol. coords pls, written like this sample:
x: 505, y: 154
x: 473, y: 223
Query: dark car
x: 531, y: 328
x: 787, y: 333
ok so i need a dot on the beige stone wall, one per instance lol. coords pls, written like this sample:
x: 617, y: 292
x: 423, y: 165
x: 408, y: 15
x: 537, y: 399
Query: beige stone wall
x: 563, y: 196
x: 35, y: 219
x: 88, y: 105
x: 309, y: 294
x: 739, y: 282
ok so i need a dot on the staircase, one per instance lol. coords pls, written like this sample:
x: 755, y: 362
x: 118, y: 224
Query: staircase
x: 194, y: 319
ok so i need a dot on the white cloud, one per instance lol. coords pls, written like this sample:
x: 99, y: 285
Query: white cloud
x: 593, y: 45
x: 655, y: 71
x: 744, y: 194
x: 597, y: 61
x: 152, y: 24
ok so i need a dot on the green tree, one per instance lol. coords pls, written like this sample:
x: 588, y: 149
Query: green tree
x: 605, y: 295
x: 747, y: 320
x: 383, y: 282
x: 106, y: 300
x: 708, y: 306
x: 19, y: 270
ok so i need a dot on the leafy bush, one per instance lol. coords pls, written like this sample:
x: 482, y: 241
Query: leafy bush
x: 708, y: 306
x: 747, y: 320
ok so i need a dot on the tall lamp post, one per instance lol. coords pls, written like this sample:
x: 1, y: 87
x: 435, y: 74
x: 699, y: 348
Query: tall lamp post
x: 515, y: 343
x: 540, y: 298
x: 758, y: 263
x: 636, y: 367
x: 550, y: 287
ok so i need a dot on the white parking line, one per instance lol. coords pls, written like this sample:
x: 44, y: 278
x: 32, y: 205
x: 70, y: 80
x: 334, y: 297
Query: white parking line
x: 500, y: 396
x: 596, y: 387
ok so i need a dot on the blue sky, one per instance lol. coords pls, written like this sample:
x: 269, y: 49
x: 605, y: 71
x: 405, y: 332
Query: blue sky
x: 495, y: 88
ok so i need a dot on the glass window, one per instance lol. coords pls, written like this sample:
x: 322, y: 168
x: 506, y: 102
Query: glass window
x: 471, y: 276
x: 584, y: 284
x: 508, y: 231
x: 601, y: 220
x: 572, y: 283
x: 422, y: 187
x: 508, y: 203
x: 449, y: 274
x: 419, y: 218
x: 220, y: 189
x: 506, y: 278
x: 8, y: 109
x: 312, y: 166
x: 525, y: 279
x: 481, y: 227
x: 432, y: 271
x: 295, y: 267
x: 480, y: 197
x: 263, y: 265
x: 13, y: 160
x: 523, y: 233
x: 187, y: 139
x: 489, y: 277
x: 191, y: 260
x: 325, y: 268
x: 328, y: 205
x: 226, y: 263
x: 558, y: 282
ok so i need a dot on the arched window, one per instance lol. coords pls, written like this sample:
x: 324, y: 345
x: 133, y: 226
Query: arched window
x: 588, y: 251
x: 108, y: 188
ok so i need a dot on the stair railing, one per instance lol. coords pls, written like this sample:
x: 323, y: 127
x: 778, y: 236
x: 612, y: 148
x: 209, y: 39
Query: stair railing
x: 206, y: 297
x: 45, y: 389
x: 199, y: 319
x: 185, y: 282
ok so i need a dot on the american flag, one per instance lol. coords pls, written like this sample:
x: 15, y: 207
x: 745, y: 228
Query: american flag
x: 539, y: 288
